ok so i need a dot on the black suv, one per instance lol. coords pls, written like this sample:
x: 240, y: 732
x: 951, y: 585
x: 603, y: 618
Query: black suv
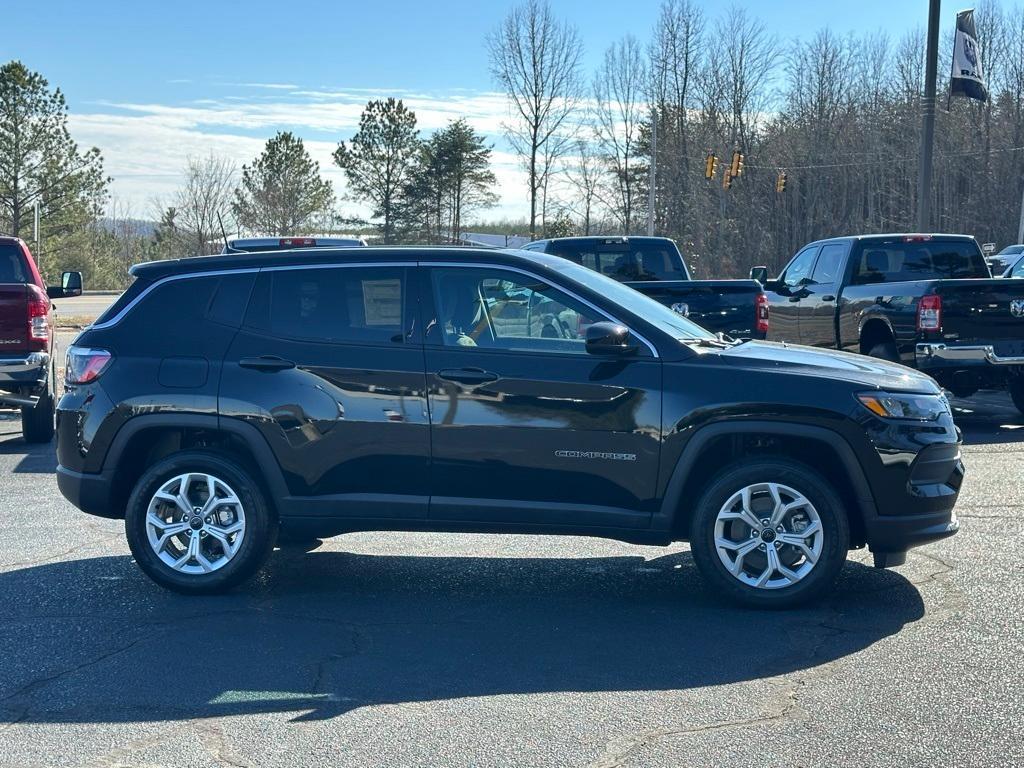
x: 321, y: 392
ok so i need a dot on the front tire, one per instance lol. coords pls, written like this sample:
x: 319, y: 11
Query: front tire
x: 770, y: 533
x: 885, y: 351
x: 197, y: 522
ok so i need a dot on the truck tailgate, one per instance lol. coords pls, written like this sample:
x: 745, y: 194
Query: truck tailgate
x: 13, y: 318
x: 717, y: 305
x: 984, y: 311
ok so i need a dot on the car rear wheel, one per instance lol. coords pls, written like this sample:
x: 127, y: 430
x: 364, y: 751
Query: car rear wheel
x: 1017, y: 392
x: 37, y: 422
x: 198, y: 523
x: 770, y: 533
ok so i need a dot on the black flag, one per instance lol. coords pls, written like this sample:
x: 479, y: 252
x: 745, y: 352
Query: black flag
x: 967, y: 77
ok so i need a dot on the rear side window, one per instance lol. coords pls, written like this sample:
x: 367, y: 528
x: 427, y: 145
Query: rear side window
x: 351, y: 304
x: 12, y: 264
x: 890, y: 262
x: 625, y: 261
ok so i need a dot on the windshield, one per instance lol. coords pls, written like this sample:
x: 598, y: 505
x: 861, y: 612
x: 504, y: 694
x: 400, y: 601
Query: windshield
x: 625, y: 260
x: 658, y: 315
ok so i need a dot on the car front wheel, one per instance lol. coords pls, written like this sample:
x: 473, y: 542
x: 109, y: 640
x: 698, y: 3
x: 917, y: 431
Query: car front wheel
x: 770, y: 533
x: 199, y: 523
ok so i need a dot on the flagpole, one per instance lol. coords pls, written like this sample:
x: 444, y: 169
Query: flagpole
x: 924, y: 180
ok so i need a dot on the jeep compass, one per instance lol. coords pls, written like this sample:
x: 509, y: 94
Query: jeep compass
x: 222, y: 400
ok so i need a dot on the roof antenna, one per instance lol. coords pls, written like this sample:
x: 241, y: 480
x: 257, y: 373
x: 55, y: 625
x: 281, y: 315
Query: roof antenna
x: 224, y: 234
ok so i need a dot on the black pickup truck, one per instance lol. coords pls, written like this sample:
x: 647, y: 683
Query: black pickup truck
x: 927, y: 301
x: 654, y: 266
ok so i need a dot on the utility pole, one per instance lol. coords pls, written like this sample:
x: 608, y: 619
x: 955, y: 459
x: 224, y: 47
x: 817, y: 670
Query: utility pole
x: 653, y: 174
x: 924, y: 181
x: 1020, y: 229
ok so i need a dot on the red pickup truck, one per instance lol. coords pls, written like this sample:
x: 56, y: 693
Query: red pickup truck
x: 27, y: 343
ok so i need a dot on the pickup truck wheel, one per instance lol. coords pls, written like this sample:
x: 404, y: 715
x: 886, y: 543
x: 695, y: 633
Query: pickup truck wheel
x: 770, y: 533
x: 885, y: 351
x: 1017, y: 392
x: 198, y: 523
x: 37, y: 422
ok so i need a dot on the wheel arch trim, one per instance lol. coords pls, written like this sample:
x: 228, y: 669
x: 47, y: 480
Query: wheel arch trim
x: 671, y: 504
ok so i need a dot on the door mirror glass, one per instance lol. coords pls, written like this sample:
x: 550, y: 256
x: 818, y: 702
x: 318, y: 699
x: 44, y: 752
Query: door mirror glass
x: 760, y: 274
x: 609, y: 338
x: 71, y: 282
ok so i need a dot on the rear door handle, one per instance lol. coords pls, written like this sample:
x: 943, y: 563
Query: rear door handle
x: 828, y: 297
x: 266, y: 363
x: 467, y: 375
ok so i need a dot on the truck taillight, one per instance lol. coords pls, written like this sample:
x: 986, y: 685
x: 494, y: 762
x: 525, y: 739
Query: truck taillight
x: 929, y: 313
x: 85, y: 364
x: 296, y: 242
x: 38, y: 317
x: 761, y: 313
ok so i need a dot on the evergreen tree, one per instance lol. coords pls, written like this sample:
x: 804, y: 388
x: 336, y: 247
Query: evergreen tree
x: 281, y: 193
x: 379, y: 159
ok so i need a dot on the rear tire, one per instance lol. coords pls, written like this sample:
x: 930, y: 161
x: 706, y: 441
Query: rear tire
x: 788, y: 562
x: 162, y: 528
x: 37, y: 422
x: 885, y: 351
x: 1017, y: 392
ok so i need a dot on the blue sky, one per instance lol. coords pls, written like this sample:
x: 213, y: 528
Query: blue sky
x: 151, y: 83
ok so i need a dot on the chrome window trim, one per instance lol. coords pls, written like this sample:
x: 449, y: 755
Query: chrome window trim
x: 239, y: 271
x: 479, y: 265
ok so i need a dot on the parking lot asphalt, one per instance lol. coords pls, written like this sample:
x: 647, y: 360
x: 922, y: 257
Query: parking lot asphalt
x: 387, y: 649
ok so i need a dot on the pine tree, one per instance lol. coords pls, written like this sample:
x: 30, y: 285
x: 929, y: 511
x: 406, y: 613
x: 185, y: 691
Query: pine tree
x: 281, y: 193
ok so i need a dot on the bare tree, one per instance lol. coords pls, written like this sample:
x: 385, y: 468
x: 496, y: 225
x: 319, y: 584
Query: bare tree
x: 618, y: 111
x: 204, y: 201
x: 536, y: 60
x: 584, y: 174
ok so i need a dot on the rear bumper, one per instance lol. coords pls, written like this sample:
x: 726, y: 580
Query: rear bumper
x: 91, y: 493
x: 943, y: 355
x: 24, y: 376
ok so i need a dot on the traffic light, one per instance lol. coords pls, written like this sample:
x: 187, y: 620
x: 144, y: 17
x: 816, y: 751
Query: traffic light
x: 736, y: 168
x: 780, y: 183
x: 726, y: 179
x: 711, y: 166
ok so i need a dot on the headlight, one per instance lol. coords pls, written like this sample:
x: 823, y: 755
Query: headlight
x: 904, y: 406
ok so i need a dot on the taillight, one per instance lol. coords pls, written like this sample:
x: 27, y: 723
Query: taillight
x: 929, y: 313
x: 38, y: 318
x: 84, y: 364
x: 761, y: 313
x: 296, y: 242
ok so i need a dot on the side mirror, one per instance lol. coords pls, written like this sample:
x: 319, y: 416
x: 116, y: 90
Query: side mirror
x: 606, y: 338
x: 70, y: 285
x: 760, y: 274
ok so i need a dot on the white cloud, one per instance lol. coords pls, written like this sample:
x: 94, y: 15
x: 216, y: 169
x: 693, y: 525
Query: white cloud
x: 146, y: 145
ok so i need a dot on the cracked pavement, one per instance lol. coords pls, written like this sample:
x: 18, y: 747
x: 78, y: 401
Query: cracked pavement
x: 388, y: 649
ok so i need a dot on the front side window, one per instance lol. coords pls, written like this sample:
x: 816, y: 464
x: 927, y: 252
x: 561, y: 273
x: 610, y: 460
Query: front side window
x: 500, y: 309
x: 830, y: 261
x: 799, y: 268
x: 351, y: 304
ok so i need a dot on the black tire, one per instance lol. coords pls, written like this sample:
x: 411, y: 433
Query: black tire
x: 1016, y: 388
x: 885, y: 351
x: 799, y: 477
x: 37, y: 422
x: 260, y: 523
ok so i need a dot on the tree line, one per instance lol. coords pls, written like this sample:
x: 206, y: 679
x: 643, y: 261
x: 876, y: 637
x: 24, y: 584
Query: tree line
x: 840, y: 115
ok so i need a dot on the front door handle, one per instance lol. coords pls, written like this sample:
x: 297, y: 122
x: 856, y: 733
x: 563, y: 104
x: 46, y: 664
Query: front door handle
x: 266, y: 363
x: 795, y: 298
x: 467, y: 375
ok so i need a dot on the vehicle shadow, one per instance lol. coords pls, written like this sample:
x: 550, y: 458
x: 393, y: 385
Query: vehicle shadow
x: 324, y: 633
x: 988, y: 417
x: 36, y: 459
